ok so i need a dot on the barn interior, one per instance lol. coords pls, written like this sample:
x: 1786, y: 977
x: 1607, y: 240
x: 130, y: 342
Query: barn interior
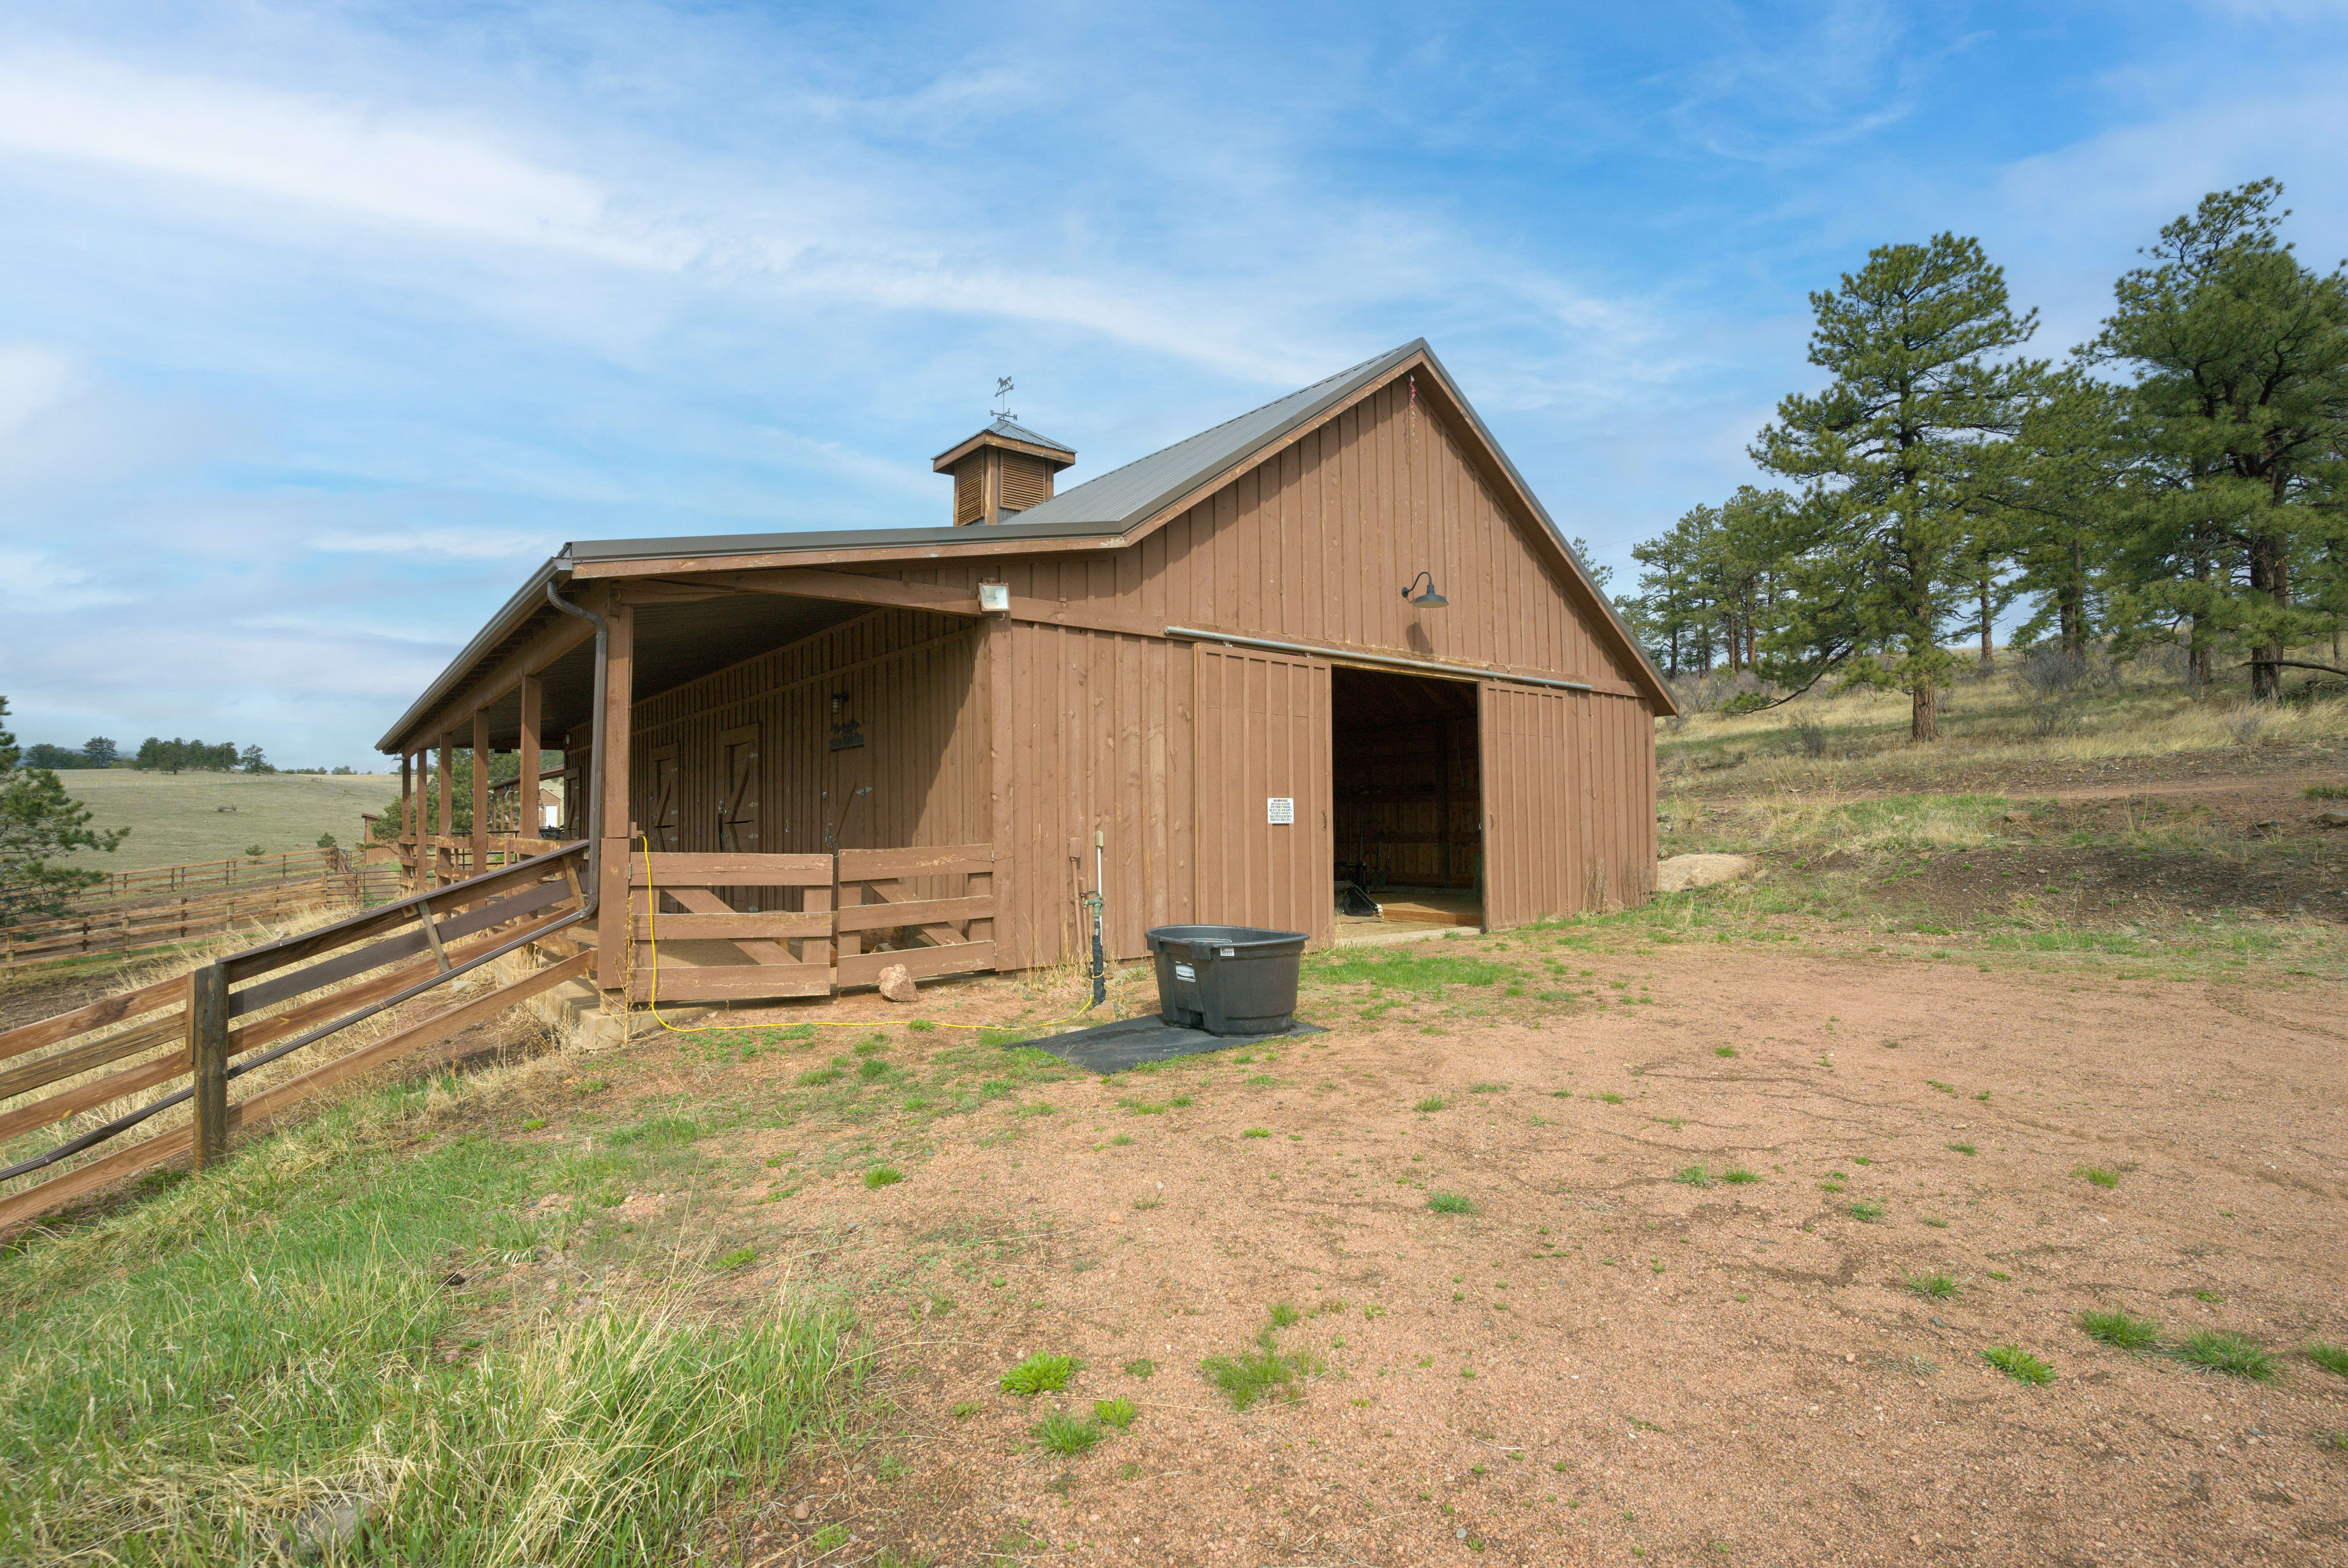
x: 1406, y: 815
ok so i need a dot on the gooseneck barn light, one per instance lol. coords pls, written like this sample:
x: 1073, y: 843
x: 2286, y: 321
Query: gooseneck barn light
x: 1430, y: 599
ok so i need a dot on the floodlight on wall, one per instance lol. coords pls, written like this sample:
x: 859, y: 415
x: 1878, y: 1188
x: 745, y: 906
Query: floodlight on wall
x: 994, y: 596
x: 1430, y: 599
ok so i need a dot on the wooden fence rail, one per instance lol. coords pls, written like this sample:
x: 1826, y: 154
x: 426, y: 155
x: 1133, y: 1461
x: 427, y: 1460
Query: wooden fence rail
x: 235, y: 871
x: 216, y: 1024
x: 956, y: 934
x: 735, y: 920
x: 714, y: 927
x: 151, y: 922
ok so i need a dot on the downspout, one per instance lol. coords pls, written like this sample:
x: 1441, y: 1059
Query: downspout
x: 595, y: 789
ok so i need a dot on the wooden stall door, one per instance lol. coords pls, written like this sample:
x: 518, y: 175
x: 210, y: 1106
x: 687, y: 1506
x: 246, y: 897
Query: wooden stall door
x: 738, y: 814
x: 660, y: 819
x: 1263, y: 754
x: 1532, y: 849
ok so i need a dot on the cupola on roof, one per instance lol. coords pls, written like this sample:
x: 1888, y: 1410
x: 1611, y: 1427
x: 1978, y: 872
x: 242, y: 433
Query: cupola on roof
x: 1004, y: 469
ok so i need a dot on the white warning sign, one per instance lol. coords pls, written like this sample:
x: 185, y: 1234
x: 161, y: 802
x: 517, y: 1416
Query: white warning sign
x: 1280, y: 810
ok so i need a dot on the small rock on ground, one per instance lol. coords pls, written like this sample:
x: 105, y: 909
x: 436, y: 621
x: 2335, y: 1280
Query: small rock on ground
x: 1681, y: 872
x: 897, y: 983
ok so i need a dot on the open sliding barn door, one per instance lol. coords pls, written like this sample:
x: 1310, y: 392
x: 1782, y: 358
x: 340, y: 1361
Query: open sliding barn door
x: 1265, y: 854
x: 1533, y: 783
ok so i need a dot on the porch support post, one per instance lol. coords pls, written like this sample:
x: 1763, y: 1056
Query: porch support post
x: 612, y: 917
x: 447, y: 826
x: 1010, y: 934
x: 530, y: 822
x: 407, y: 815
x: 481, y: 792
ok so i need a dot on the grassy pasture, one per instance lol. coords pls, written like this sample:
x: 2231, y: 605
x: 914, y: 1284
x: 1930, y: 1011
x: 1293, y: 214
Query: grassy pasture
x: 1992, y: 724
x: 175, y: 818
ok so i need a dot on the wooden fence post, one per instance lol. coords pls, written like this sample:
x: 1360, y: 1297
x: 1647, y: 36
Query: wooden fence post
x: 208, y: 1047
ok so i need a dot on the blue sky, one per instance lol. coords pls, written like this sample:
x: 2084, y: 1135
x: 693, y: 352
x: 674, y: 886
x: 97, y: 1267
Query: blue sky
x: 321, y: 324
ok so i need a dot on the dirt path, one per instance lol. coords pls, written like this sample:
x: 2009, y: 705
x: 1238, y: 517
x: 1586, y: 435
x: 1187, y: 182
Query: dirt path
x: 1599, y: 1360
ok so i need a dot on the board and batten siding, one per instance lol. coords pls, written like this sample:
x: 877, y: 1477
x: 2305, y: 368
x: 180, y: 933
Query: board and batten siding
x: 913, y: 685
x: 1314, y: 544
x: 1101, y: 740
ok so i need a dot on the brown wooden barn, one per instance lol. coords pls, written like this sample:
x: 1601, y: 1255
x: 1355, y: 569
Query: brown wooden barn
x: 1336, y: 638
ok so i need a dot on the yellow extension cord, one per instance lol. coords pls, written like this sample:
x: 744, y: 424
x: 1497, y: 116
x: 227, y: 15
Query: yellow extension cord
x: 652, y: 1001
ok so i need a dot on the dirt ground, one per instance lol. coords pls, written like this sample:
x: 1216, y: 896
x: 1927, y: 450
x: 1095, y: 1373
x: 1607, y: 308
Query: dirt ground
x: 1599, y: 1362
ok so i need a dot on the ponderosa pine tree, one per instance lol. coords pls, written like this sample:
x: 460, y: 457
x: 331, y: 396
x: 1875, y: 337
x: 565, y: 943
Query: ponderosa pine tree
x: 1887, y: 457
x: 2053, y: 494
x: 2240, y: 404
x: 38, y: 824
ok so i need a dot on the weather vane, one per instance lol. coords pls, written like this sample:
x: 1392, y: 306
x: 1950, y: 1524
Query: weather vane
x: 1002, y: 395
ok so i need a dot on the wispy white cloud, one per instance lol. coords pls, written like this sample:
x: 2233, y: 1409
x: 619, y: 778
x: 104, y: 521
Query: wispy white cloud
x: 39, y: 581
x: 350, y: 315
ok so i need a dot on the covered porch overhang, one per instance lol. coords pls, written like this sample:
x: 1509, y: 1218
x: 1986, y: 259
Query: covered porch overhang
x: 569, y: 679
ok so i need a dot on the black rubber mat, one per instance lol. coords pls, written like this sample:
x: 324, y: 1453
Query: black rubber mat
x: 1128, y: 1042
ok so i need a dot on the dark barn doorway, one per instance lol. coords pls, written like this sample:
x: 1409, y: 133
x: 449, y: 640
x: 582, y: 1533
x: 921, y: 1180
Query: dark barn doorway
x: 1406, y: 799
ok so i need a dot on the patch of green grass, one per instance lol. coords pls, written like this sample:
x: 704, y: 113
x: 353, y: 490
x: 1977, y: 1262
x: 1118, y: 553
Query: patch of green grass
x: 1694, y: 1176
x: 882, y: 1177
x: 1141, y: 1367
x: 1257, y: 1132
x: 967, y: 1409
x: 1061, y: 1433
x: 1117, y: 1413
x: 2120, y: 1330
x: 872, y: 1068
x: 1723, y: 1051
x: 735, y: 1259
x: 1940, y: 1286
x: 1258, y: 1375
x: 1041, y: 1373
x: 1739, y: 1176
x: 2222, y: 1350
x: 1488, y: 1089
x: 2333, y: 1358
x: 816, y: 1077
x: 1285, y: 1315
x: 2326, y: 792
x: 1450, y: 1203
x: 1426, y: 974
x: 1432, y: 1102
x: 2098, y: 1175
x: 1964, y: 1148
x: 1611, y: 1097
x: 1866, y: 1211
x: 2018, y: 1364
x: 281, y: 1323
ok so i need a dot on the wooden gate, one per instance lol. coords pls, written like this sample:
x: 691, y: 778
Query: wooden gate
x: 1266, y: 855
x: 1533, y: 784
x: 796, y: 924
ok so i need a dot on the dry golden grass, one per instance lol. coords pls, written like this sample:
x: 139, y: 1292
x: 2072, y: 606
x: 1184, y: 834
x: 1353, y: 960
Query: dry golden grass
x: 176, y: 819
x: 1986, y: 721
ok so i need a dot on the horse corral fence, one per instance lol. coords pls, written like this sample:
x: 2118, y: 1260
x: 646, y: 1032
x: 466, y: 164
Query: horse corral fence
x: 695, y: 929
x: 162, y: 905
x: 223, y: 1021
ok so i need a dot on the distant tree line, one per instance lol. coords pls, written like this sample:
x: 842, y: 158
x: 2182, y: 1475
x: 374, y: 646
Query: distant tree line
x: 2183, y: 476
x: 176, y: 756
x: 98, y: 752
x: 160, y: 755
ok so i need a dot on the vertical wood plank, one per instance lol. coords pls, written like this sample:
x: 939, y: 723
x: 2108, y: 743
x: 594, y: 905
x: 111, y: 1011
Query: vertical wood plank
x: 613, y: 737
x: 208, y: 1054
x: 480, y: 791
x: 532, y: 698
